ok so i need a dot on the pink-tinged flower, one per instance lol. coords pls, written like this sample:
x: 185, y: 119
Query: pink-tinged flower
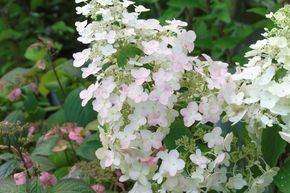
x: 20, y: 178
x: 218, y: 72
x: 151, y: 47
x: 47, y: 179
x: 31, y: 130
x: 78, y: 134
x: 14, y: 94
x: 141, y: 75
x: 187, y: 39
x: 151, y: 161
x: 211, y: 111
x: 98, y: 188
x: 190, y: 114
x: 34, y: 87
x: 28, y: 161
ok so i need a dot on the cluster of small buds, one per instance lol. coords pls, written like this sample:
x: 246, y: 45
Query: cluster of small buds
x: 141, y: 68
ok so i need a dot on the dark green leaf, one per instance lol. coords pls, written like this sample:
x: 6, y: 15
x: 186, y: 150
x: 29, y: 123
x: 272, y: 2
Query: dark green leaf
x: 75, y: 113
x: 9, y: 186
x: 283, y: 178
x: 71, y: 186
x: 258, y: 10
x: 127, y: 52
x: 45, y: 148
x: 56, y: 118
x: 177, y: 131
x: 42, y: 162
x: 7, y: 168
x: 35, y: 187
x: 88, y: 148
x: 34, y: 4
x: 272, y: 145
x: 15, y: 116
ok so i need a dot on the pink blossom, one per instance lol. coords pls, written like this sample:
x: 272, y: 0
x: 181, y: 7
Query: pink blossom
x: 187, y: 39
x: 151, y: 161
x: 31, y: 130
x: 78, y: 134
x: 14, y: 94
x: 218, y: 72
x: 28, y: 161
x: 98, y: 188
x: 19, y: 178
x: 151, y: 47
x: 47, y: 179
x: 211, y: 111
x: 141, y: 75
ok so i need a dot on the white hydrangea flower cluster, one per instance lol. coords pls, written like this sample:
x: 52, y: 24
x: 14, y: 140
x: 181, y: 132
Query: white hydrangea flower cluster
x: 259, y: 92
x: 146, y: 79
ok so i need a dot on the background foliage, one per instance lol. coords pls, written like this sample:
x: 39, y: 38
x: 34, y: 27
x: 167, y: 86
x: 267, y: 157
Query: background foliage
x: 38, y: 38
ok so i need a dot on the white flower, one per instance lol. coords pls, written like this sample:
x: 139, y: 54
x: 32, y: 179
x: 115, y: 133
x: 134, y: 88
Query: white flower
x: 190, y: 114
x: 138, y: 188
x: 92, y: 69
x: 107, y: 157
x: 105, y: 2
x: 88, y: 94
x: 151, y: 139
x: 141, y: 8
x: 171, y: 163
x: 151, y: 47
x: 285, y: 136
x: 141, y: 75
x: 136, y: 93
x: 139, y: 172
x: 213, y: 138
x: 108, y: 50
x: 199, y: 159
x: 237, y: 182
x: 126, y: 137
x: 81, y: 57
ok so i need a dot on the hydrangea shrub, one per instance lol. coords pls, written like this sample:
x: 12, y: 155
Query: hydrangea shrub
x: 148, y: 88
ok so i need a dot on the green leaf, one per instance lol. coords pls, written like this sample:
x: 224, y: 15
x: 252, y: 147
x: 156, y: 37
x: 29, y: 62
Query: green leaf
x: 127, y: 52
x: 35, y: 53
x: 35, y: 187
x: 15, y: 76
x: 187, y: 3
x: 272, y: 145
x: 226, y: 43
x: 34, y: 4
x: 45, y: 148
x: 42, y: 162
x: 61, y: 159
x: 258, y: 10
x: 282, y: 179
x: 75, y: 113
x: 93, y: 126
x: 9, y: 186
x: 62, y: 172
x: 7, y: 168
x: 30, y: 101
x: 9, y: 34
x: 88, y: 148
x: 56, y: 118
x: 177, y: 131
x: 60, y: 27
x: 15, y: 116
x: 71, y: 186
x: 7, y: 156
